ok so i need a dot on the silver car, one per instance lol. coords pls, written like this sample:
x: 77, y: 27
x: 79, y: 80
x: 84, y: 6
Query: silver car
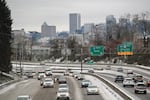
x: 92, y: 89
x: 24, y: 97
x: 63, y: 94
x: 48, y: 82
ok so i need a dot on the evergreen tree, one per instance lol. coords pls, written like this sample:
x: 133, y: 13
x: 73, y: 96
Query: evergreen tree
x: 5, y: 37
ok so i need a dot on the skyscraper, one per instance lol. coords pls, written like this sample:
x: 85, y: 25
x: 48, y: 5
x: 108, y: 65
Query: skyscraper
x: 48, y: 31
x: 110, y: 26
x: 74, y: 22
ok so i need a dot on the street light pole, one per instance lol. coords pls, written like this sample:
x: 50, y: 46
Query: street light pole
x: 81, y: 51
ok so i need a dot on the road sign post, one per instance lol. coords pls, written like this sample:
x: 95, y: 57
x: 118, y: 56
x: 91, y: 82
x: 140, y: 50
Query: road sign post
x: 125, y: 49
x: 97, y: 50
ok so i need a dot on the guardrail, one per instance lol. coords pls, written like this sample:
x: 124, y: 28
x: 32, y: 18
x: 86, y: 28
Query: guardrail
x: 8, y: 83
x: 117, y: 90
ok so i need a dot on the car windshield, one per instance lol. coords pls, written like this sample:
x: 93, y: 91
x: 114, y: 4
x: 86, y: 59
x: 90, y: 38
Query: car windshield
x: 48, y: 80
x: 63, y: 85
x: 62, y: 90
x: 142, y: 85
x: 92, y: 86
x: 22, y: 98
x: 128, y: 80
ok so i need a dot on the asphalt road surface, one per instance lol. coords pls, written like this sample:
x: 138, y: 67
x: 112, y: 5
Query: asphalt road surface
x: 129, y: 89
x: 32, y: 87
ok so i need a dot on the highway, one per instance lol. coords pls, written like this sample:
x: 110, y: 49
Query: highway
x: 32, y: 87
x: 111, y: 78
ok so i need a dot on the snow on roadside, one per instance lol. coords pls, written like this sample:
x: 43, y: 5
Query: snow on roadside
x: 12, y: 86
x: 106, y: 92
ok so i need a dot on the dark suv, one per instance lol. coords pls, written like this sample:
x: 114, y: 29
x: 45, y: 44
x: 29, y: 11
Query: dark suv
x: 119, y: 78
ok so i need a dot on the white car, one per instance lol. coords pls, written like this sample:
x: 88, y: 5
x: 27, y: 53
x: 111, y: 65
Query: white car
x: 140, y: 87
x: 80, y: 77
x: 63, y: 94
x: 128, y: 82
x: 41, y: 75
x: 85, y: 83
x: 63, y: 86
x: 129, y: 71
x: 24, y: 97
x: 48, y: 72
x: 48, y: 82
x: 92, y: 89
x: 91, y: 70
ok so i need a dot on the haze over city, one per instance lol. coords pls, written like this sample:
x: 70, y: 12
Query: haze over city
x: 30, y: 14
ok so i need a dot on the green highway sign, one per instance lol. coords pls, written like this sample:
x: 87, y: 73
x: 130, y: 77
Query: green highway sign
x: 90, y: 62
x: 125, y: 48
x: 97, y: 50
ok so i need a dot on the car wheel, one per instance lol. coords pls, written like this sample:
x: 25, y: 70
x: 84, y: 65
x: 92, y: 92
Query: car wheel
x: 123, y: 85
x: 67, y: 98
x: 135, y: 92
x: 145, y: 92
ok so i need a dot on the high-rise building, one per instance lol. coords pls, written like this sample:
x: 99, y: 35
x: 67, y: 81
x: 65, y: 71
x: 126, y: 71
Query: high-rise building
x: 74, y: 22
x: 48, y: 31
x: 110, y: 26
x: 89, y: 28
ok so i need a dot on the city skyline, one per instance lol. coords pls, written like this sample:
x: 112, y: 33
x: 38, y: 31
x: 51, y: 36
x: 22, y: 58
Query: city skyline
x: 30, y: 14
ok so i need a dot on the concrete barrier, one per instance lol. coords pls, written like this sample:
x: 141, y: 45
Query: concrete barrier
x: 117, y: 90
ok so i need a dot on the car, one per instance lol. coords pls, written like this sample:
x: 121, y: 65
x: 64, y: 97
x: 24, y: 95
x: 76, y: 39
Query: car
x: 91, y: 70
x: 140, y: 87
x: 48, y: 82
x: 41, y: 81
x: 62, y: 80
x: 63, y: 94
x: 75, y: 75
x: 30, y: 75
x: 148, y: 83
x: 85, y: 83
x: 48, y: 73
x: 131, y: 76
x: 138, y: 78
x: 108, y: 67
x: 129, y: 71
x: 128, y: 82
x: 66, y: 73
x: 63, y: 86
x: 24, y: 97
x: 120, y: 69
x: 80, y: 77
x: 119, y: 78
x: 41, y: 75
x: 92, y: 89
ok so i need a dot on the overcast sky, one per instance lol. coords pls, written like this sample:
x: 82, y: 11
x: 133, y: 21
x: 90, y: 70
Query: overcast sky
x: 30, y: 14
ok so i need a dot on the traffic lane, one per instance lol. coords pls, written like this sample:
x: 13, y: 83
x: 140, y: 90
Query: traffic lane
x: 45, y: 93
x: 129, y: 89
x: 136, y: 71
x: 50, y: 93
x: 75, y: 89
x: 89, y: 97
x: 27, y: 87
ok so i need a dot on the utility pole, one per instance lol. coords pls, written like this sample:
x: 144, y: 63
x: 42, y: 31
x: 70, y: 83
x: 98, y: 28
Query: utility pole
x: 81, y: 54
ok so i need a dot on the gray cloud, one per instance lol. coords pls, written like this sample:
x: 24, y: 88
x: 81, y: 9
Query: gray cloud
x: 30, y: 14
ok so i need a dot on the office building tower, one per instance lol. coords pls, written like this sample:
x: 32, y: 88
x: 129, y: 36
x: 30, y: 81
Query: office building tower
x: 48, y: 31
x: 74, y: 22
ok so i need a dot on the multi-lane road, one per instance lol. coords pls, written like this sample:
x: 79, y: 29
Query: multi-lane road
x: 111, y: 75
x: 32, y: 87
